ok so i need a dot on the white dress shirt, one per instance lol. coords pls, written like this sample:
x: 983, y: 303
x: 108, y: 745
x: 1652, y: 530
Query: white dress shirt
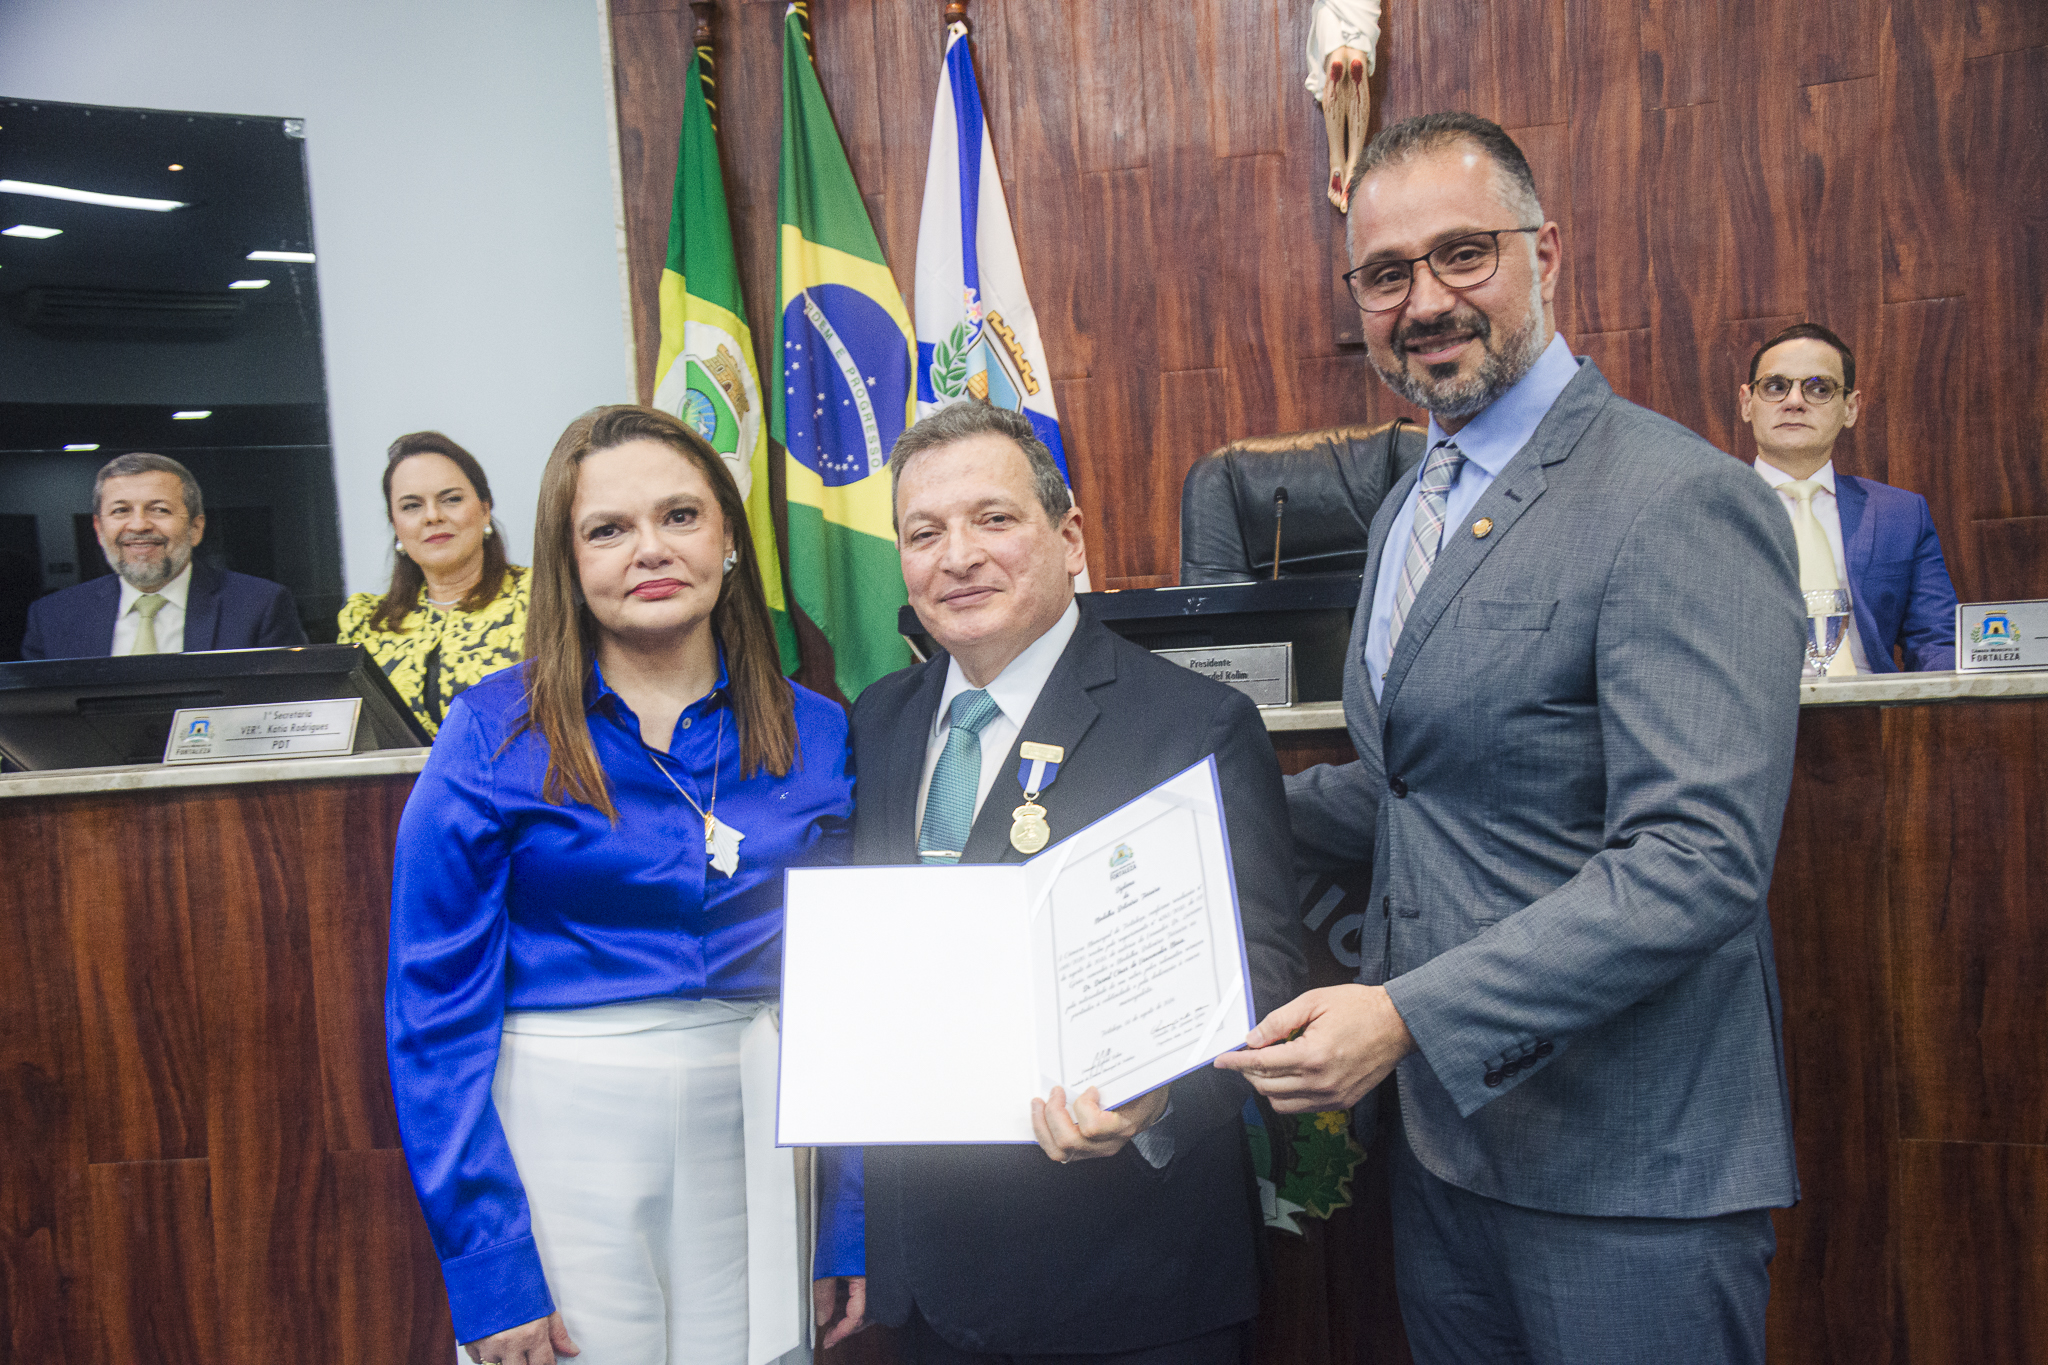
x: 170, y: 617
x: 1014, y: 691
x: 1828, y: 512
x: 1488, y: 441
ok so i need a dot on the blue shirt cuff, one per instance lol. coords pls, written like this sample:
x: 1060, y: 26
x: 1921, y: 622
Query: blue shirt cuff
x: 842, y: 1214
x: 498, y: 1287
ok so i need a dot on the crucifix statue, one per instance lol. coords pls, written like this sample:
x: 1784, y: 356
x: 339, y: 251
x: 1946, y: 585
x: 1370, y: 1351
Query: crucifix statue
x: 1341, y: 37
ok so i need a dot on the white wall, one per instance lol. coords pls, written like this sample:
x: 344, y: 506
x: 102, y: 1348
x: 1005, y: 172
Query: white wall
x: 464, y: 204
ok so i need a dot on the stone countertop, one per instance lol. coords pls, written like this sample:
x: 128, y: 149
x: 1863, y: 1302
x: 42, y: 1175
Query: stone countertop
x: 1885, y: 689
x: 159, y: 776
x: 1868, y: 689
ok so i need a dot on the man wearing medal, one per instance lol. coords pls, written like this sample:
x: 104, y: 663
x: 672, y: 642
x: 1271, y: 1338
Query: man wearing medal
x: 1128, y: 1236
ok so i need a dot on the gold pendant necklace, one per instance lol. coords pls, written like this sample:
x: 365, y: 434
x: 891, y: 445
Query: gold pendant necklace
x: 721, y: 841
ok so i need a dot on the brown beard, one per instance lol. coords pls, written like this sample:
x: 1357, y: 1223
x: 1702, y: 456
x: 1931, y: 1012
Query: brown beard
x: 1499, y: 370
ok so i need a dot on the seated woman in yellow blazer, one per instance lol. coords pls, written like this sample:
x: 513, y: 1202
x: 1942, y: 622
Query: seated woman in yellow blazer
x: 456, y: 609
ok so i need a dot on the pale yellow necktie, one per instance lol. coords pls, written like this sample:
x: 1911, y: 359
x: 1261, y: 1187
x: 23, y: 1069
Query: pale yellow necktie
x: 1817, y: 572
x: 147, y: 606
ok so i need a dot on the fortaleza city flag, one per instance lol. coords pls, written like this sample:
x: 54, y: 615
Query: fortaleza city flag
x: 842, y: 397
x: 706, y: 373
x: 977, y: 336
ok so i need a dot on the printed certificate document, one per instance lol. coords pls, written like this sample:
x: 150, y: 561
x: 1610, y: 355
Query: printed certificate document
x: 933, y: 1003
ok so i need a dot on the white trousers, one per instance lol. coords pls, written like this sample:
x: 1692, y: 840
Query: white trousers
x: 626, y: 1124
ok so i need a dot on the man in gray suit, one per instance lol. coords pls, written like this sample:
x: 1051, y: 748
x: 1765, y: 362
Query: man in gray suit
x: 1579, y: 649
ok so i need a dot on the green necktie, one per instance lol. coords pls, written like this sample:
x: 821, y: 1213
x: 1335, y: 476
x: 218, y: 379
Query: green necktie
x: 956, y: 781
x: 147, y: 606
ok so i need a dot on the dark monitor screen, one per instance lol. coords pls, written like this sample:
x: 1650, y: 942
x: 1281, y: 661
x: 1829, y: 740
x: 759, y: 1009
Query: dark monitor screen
x: 96, y: 713
x: 1310, y: 611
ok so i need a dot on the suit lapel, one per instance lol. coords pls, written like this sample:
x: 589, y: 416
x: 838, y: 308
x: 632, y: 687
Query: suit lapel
x: 903, y: 761
x: 1520, y: 484
x: 202, y: 609
x: 1859, y: 531
x: 1376, y: 541
x: 105, y: 614
x: 1062, y: 715
x: 1859, y: 543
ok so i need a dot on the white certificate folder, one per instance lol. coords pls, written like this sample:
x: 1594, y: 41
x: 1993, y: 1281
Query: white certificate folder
x: 932, y: 1003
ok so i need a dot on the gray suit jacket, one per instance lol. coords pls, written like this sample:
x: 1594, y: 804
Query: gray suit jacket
x: 1571, y: 791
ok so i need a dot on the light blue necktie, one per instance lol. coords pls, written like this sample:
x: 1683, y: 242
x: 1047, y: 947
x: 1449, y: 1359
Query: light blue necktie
x: 956, y: 781
x: 1446, y: 462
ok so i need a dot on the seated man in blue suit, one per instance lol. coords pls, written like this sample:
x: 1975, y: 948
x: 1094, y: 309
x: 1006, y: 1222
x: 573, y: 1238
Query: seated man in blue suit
x: 147, y: 511
x: 1880, y: 541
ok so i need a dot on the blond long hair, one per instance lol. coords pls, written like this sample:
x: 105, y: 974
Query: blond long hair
x: 562, y: 635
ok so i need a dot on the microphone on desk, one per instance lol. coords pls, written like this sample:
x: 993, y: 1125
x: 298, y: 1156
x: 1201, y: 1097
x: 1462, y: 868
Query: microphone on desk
x: 1279, y: 513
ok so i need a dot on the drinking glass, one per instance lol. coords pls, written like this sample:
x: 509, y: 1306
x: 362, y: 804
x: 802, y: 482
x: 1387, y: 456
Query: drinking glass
x: 1827, y: 624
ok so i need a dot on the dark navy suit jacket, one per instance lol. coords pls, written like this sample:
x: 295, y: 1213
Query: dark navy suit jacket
x: 1898, y: 582
x: 1000, y: 1249
x: 223, y: 610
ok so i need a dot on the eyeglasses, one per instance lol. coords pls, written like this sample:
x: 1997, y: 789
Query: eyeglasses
x: 1819, y: 389
x: 1466, y: 263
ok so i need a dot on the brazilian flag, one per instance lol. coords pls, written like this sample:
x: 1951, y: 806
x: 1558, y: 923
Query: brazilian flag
x: 844, y: 342
x: 706, y: 373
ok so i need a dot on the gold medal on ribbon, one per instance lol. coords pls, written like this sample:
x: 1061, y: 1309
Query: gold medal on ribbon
x: 1041, y: 766
x: 1028, y: 830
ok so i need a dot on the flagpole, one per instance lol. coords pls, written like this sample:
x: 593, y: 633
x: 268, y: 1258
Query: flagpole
x: 955, y: 12
x: 706, y: 12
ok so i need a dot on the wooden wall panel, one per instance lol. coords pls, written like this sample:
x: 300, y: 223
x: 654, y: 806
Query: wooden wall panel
x: 1918, y: 394
x: 2004, y: 26
x: 1976, y: 1068
x: 1455, y: 48
x: 1823, y: 174
x: 201, y: 972
x: 349, y: 992
x: 2007, y: 245
x: 152, y: 1265
x: 1833, y: 1298
x: 263, y: 1102
x: 1838, y: 124
x: 44, y: 1312
x: 1689, y: 259
x: 1975, y: 1206
x: 1925, y: 199
x: 384, y: 1300
x: 650, y: 53
x: 1759, y: 172
x: 1610, y: 253
x: 1837, y: 40
x: 130, y: 925
x: 1529, y: 43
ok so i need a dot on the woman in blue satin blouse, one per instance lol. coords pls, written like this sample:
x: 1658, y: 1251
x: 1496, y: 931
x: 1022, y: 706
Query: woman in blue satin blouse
x: 586, y: 927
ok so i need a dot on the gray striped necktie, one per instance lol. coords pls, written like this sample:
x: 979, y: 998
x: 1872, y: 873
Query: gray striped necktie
x: 956, y: 781
x: 1438, y: 477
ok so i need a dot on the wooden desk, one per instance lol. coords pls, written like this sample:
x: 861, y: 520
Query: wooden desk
x: 200, y: 1160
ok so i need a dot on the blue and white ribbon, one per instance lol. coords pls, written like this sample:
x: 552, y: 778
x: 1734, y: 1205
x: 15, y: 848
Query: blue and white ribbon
x: 1034, y: 775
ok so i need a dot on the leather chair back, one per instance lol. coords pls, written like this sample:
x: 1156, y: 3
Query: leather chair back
x: 1335, y: 479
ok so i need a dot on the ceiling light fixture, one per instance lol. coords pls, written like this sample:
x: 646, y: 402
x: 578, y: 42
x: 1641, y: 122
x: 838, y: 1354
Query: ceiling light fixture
x: 189, y: 416
x: 249, y: 284
x: 84, y: 445
x: 176, y: 167
x: 26, y: 230
x: 110, y: 201
x: 301, y: 257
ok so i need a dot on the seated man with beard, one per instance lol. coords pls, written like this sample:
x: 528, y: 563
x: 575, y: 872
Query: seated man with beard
x: 147, y: 512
